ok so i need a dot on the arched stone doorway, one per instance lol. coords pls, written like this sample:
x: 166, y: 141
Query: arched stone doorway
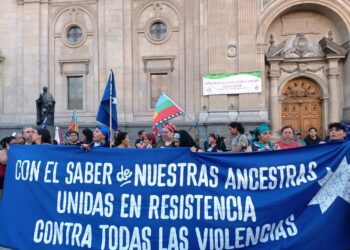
x: 301, y: 105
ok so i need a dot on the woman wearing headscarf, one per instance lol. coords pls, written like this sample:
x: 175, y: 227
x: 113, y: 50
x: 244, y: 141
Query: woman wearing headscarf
x: 183, y: 139
x: 262, y: 140
x: 167, y: 139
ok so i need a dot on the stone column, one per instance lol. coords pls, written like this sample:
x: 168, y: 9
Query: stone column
x: 222, y: 29
x: 325, y: 119
x: 274, y: 75
x: 31, y: 55
x: 333, y: 85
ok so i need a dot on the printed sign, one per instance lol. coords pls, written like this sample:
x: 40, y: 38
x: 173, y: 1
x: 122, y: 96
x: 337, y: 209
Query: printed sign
x: 218, y: 84
x: 60, y: 197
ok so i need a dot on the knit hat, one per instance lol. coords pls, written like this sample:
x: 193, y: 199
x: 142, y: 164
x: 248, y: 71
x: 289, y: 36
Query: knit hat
x: 105, y: 131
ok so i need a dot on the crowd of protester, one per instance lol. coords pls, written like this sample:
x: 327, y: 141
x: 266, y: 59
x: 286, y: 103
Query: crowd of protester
x: 242, y: 141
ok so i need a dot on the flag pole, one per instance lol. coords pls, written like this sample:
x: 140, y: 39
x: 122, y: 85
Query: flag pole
x: 204, y: 137
x: 110, y: 111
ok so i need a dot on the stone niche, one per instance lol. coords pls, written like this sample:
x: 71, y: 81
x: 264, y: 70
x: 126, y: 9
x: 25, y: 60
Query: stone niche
x: 72, y: 50
x: 158, y: 55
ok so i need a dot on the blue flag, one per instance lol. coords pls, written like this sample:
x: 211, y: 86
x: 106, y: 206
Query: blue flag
x: 44, y: 124
x: 104, y: 109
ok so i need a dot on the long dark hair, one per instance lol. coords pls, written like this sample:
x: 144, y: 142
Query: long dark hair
x: 186, y: 139
x: 45, y: 135
x: 237, y: 125
x: 6, y: 140
x: 120, y: 137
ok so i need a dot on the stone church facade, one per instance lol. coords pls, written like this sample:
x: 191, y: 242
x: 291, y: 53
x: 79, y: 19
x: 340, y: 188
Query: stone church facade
x: 301, y: 48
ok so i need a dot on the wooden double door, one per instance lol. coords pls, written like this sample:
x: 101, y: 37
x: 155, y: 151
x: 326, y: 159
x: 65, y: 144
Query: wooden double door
x: 301, y: 105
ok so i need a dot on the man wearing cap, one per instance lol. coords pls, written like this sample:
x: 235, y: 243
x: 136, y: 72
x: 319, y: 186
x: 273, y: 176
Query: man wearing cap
x: 337, y: 131
x: 297, y: 137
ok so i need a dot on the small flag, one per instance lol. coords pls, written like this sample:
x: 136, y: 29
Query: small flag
x: 59, y: 135
x: 165, y: 110
x: 73, y: 125
x: 103, y: 115
x: 44, y: 124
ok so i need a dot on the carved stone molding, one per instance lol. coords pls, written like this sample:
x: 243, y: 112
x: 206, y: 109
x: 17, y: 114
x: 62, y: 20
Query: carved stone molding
x: 274, y: 74
x: 289, y: 71
x: 21, y: 2
x: 298, y: 48
x: 265, y: 3
x: 74, y: 61
x: 147, y: 59
x: 302, y: 68
x: 301, y: 45
x: 332, y: 73
x: 231, y: 50
x: 299, y: 88
x: 321, y: 68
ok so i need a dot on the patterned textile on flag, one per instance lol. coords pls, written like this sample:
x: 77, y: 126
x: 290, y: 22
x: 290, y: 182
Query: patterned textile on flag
x: 103, y: 115
x: 73, y: 125
x: 165, y: 110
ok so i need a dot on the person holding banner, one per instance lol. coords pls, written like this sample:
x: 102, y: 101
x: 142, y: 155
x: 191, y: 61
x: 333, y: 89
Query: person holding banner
x: 150, y: 140
x: 5, y: 144
x: 139, y: 143
x: 167, y: 136
x: 41, y: 136
x: 214, y: 143
x: 337, y: 131
x: 27, y: 134
x: 100, y: 138
x: 86, y: 136
x: 122, y: 140
x: 183, y: 139
x: 287, y: 139
x: 239, y: 141
x: 312, y: 138
x: 262, y: 140
x: 74, y: 139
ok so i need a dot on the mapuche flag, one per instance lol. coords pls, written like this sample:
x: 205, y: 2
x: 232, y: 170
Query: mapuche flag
x: 165, y: 110
x: 73, y: 125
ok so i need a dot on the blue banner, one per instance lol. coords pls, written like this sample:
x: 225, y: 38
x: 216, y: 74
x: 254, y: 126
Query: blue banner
x: 58, y: 197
